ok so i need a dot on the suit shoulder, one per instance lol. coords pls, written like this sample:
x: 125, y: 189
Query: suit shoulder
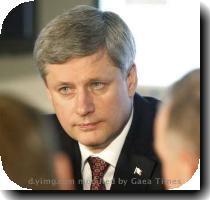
x: 64, y: 139
x: 151, y: 100
x: 51, y: 118
x: 146, y: 103
x: 145, y: 109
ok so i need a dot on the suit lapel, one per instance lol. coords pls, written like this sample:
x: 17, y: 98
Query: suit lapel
x: 137, y: 151
x: 127, y: 176
x: 141, y: 171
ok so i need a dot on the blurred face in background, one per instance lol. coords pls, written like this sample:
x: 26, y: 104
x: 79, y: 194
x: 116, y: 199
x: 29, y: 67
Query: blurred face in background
x: 178, y: 162
x: 92, y: 98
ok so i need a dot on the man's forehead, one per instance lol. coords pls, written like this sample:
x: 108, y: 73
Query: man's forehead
x: 83, y: 70
x: 67, y: 77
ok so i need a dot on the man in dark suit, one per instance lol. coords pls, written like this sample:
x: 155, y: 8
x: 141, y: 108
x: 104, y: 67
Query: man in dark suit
x: 137, y: 151
x: 86, y: 58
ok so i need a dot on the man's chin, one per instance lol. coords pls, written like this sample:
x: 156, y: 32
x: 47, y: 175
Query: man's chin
x: 90, y: 144
x: 92, y: 140
x: 95, y: 146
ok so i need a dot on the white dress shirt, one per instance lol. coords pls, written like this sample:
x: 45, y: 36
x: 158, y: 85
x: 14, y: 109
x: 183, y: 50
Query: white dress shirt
x: 110, y: 154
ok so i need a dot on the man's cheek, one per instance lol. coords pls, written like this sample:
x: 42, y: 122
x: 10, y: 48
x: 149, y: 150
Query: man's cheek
x: 60, y: 104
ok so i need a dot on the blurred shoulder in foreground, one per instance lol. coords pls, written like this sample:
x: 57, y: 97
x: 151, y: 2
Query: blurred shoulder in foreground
x: 29, y: 149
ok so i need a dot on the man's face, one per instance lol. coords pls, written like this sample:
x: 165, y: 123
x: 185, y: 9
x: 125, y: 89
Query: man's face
x: 92, y: 98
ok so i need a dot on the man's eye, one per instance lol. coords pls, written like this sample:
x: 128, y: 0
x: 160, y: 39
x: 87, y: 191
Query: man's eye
x: 98, y: 85
x: 65, y: 90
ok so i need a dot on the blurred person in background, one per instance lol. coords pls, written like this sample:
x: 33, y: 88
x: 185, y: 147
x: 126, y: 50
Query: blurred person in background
x: 86, y: 59
x: 177, y: 138
x: 28, y: 149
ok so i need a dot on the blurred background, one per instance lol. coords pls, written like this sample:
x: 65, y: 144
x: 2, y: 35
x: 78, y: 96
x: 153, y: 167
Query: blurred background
x: 167, y: 34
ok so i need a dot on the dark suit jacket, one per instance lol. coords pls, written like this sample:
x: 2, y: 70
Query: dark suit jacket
x: 137, y: 151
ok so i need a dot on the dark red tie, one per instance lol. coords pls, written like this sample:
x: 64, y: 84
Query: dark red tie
x: 98, y: 168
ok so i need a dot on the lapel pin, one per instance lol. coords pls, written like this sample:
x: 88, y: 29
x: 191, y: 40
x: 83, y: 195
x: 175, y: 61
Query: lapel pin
x: 138, y: 171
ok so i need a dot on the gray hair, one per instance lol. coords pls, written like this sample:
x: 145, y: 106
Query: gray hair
x: 83, y: 31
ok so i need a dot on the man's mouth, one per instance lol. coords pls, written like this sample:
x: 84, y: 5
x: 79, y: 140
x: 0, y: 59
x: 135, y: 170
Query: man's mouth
x: 88, y: 126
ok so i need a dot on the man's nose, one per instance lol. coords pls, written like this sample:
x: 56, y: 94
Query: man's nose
x: 84, y: 103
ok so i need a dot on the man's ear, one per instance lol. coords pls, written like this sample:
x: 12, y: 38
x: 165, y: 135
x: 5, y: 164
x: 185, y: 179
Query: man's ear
x: 132, y: 80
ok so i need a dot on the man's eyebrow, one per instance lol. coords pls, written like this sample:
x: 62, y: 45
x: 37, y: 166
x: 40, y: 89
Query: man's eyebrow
x: 67, y: 83
x: 95, y: 79
x: 63, y: 83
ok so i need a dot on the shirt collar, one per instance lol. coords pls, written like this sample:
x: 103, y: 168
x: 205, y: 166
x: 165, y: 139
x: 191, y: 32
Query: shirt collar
x: 111, y: 153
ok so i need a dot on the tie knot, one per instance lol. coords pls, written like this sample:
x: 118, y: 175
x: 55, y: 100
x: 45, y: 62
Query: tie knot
x: 98, y: 166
